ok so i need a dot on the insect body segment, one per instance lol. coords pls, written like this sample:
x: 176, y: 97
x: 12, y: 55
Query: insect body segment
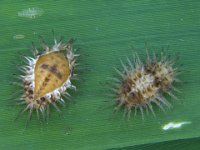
x: 51, y: 71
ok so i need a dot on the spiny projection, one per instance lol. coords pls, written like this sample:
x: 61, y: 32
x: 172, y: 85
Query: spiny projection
x: 143, y: 83
x: 47, y: 77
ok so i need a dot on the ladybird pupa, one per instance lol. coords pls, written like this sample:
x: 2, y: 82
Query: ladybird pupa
x: 47, y: 77
x: 144, y: 84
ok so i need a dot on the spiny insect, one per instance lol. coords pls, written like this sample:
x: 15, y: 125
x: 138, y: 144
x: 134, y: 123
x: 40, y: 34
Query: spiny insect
x: 142, y: 84
x: 47, y: 77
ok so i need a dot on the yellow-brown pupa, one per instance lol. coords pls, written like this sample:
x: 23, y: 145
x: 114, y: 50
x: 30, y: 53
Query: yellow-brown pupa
x: 144, y: 84
x: 47, y: 77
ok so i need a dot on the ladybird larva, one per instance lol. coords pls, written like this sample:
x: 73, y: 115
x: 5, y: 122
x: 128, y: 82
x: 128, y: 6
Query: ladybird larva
x: 47, y: 77
x: 143, y: 83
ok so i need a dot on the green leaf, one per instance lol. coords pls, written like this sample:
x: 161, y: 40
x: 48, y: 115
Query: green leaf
x: 183, y: 144
x: 105, y: 32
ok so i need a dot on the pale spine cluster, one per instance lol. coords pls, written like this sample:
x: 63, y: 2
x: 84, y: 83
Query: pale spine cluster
x: 139, y: 88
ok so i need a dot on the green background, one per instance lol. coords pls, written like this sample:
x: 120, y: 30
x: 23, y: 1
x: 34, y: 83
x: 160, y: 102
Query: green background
x: 105, y: 32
